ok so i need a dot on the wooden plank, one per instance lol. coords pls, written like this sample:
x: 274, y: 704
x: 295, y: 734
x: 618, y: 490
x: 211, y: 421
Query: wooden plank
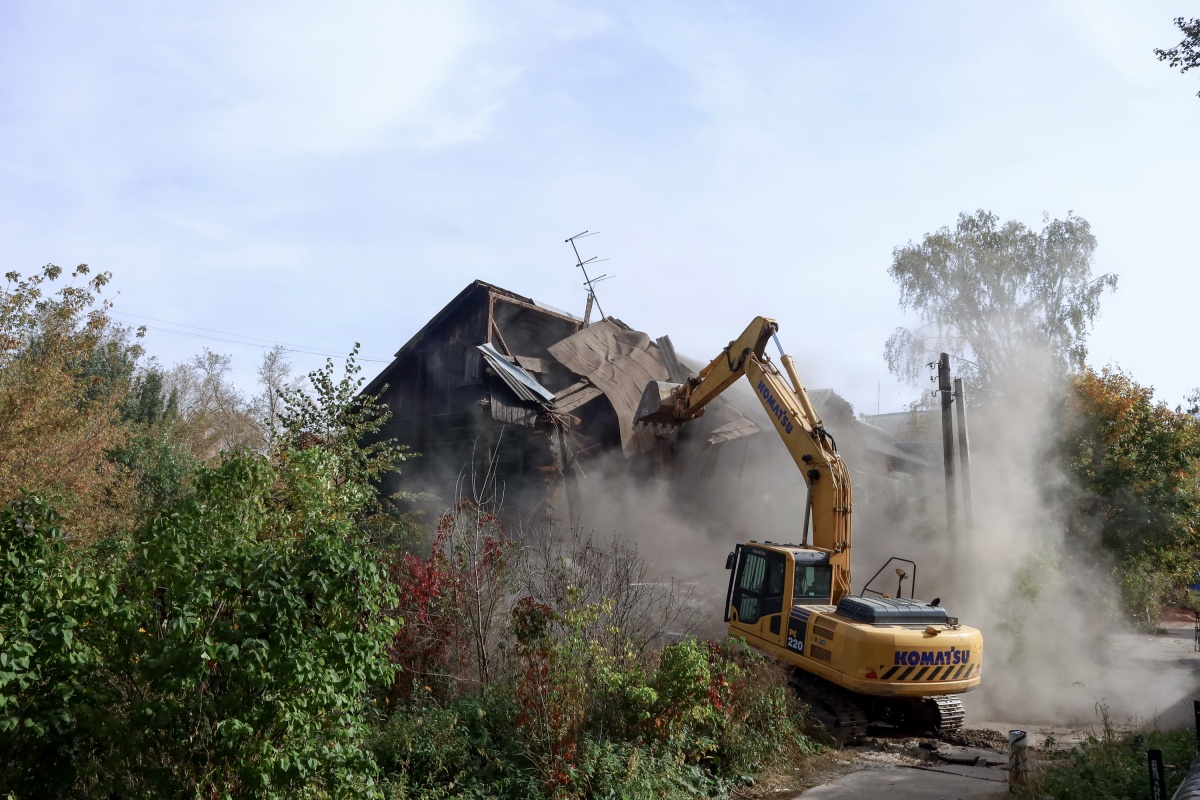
x: 574, y: 396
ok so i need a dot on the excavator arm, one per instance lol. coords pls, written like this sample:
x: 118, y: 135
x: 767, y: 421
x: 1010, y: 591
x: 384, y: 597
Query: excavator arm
x: 796, y: 421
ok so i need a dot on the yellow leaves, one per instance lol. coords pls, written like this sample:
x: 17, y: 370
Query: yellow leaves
x: 58, y: 424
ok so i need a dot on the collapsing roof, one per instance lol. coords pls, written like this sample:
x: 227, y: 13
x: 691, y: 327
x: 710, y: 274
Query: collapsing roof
x: 619, y: 362
x: 493, y: 357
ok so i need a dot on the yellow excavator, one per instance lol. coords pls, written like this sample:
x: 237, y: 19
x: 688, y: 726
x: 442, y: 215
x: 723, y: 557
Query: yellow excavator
x: 856, y: 659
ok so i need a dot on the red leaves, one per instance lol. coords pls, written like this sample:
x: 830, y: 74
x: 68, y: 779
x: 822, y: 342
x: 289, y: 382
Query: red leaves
x: 531, y: 621
x: 467, y: 551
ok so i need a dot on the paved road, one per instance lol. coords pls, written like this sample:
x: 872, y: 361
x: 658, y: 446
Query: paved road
x: 909, y: 783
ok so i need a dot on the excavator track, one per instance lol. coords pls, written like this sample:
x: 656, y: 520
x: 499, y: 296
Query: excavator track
x: 947, y: 713
x: 845, y: 715
x: 838, y: 710
x: 920, y: 715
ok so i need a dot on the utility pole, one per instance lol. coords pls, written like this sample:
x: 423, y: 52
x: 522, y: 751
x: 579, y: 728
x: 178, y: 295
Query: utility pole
x: 944, y: 389
x: 964, y: 453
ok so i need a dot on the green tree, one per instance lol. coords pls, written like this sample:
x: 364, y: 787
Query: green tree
x: 997, y: 296
x: 233, y: 648
x: 156, y: 452
x: 342, y: 429
x: 1186, y: 54
x: 64, y: 372
x: 1138, y: 463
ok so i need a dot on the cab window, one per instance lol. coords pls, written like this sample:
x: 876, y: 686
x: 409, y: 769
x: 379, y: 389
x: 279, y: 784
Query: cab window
x: 759, y: 587
x: 813, y: 584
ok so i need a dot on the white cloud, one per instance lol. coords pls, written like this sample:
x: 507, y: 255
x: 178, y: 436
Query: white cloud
x: 319, y: 78
x: 1125, y: 34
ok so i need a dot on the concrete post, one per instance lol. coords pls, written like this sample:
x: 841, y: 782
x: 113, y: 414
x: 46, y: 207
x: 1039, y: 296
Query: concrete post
x: 1018, y: 767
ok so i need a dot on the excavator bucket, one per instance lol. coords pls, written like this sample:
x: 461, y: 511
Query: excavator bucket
x: 658, y: 405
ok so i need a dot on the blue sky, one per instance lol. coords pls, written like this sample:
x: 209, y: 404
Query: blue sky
x: 320, y: 174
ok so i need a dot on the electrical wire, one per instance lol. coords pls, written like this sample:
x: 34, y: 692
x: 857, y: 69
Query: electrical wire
x: 249, y: 341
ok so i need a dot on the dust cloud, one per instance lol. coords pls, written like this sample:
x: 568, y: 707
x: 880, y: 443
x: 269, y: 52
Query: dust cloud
x: 1054, y: 643
x: 1056, y: 648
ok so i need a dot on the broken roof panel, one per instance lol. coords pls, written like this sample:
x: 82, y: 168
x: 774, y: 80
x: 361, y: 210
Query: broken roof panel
x: 520, y: 381
x: 574, y: 396
x: 620, y: 362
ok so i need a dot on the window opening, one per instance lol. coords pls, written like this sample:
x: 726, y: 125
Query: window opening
x: 813, y: 584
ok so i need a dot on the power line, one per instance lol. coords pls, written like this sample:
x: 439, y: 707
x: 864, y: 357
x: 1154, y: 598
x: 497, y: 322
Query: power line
x: 197, y: 327
x: 288, y: 348
x: 247, y: 341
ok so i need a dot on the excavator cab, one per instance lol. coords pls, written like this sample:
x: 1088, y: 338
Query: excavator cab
x: 761, y: 576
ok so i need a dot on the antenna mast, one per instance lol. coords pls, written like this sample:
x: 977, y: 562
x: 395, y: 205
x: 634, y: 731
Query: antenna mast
x: 589, y: 282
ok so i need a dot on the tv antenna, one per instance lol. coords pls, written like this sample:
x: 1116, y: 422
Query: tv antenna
x: 588, y: 281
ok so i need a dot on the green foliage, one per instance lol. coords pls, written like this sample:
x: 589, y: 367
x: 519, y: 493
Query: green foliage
x: 1111, y: 765
x: 258, y: 639
x: 345, y: 428
x: 994, y: 296
x: 462, y: 747
x: 622, y: 769
x: 155, y: 453
x: 575, y: 705
x: 1139, y: 464
x: 715, y: 712
x: 48, y: 663
x: 726, y: 706
x: 233, y: 661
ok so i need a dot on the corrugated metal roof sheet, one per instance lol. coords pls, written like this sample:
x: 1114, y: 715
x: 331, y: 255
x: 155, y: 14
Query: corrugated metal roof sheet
x: 517, y: 378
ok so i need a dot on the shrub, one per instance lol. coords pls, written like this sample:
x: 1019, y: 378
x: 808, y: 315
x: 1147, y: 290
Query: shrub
x: 462, y: 747
x: 232, y: 658
x: 1111, y: 765
x: 49, y: 659
x: 452, y: 602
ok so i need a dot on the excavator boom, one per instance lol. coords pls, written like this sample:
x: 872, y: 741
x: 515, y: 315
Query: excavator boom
x: 796, y: 422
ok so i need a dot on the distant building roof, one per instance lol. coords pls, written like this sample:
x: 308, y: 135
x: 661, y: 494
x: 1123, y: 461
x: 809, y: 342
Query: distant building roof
x: 919, y: 425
